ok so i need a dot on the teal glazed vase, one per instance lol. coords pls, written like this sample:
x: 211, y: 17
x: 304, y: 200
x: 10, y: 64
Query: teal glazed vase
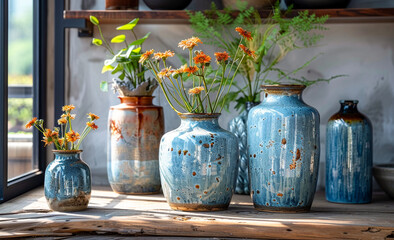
x: 135, y: 128
x: 238, y: 127
x: 349, y: 156
x: 198, y: 164
x: 284, y: 150
x: 67, y: 182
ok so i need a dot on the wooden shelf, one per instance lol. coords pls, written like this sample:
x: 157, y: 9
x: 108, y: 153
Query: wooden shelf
x: 336, y: 15
x: 149, y: 215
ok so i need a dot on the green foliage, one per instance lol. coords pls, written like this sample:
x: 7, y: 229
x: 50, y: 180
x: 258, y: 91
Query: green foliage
x: 273, y: 38
x: 20, y: 111
x: 124, y: 62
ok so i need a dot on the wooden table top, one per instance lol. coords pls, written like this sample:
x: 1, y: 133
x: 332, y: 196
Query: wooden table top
x: 150, y: 215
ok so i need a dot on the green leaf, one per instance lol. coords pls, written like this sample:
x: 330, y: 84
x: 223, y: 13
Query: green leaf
x: 129, y: 26
x: 104, y: 86
x: 94, y: 20
x: 118, y: 39
x: 117, y: 69
x: 97, y: 41
x: 106, y: 68
x: 140, y: 41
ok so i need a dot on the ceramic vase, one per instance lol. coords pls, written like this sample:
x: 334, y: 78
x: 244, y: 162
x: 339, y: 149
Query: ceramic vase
x: 135, y: 127
x: 121, y: 4
x: 349, y: 156
x: 67, y: 182
x: 238, y: 127
x: 198, y: 164
x: 284, y: 150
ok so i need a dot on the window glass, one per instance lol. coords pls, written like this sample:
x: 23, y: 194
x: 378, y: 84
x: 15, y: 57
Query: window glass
x: 20, y: 87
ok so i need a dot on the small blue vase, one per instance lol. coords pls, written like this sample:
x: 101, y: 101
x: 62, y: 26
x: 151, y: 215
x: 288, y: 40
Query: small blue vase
x: 238, y: 127
x: 67, y: 182
x: 284, y: 150
x: 349, y: 156
x: 198, y: 164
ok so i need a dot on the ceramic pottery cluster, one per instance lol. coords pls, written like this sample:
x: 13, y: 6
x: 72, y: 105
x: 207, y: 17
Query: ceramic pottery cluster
x: 135, y: 127
x: 198, y: 164
x: 284, y: 148
x: 238, y: 127
x: 67, y: 182
x: 349, y: 156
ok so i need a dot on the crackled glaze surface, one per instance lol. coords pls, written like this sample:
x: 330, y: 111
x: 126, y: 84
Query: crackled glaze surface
x: 135, y: 127
x: 238, y: 127
x: 198, y: 164
x: 284, y: 150
x: 67, y: 182
x: 349, y: 156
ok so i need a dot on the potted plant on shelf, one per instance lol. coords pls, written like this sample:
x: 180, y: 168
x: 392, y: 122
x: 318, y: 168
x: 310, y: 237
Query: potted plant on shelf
x: 198, y: 160
x: 135, y: 125
x: 271, y: 40
x: 67, y: 179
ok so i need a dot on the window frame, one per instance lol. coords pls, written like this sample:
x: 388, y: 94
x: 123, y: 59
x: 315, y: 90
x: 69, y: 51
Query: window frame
x: 21, y: 184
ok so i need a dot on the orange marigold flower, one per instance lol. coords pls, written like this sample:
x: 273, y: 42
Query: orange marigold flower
x: 189, y: 43
x: 55, y: 134
x: 31, y: 123
x: 244, y: 33
x: 202, y: 58
x: 164, y: 55
x: 61, y: 121
x: 93, y: 116
x: 68, y: 108
x: 47, y: 141
x: 146, y: 55
x: 190, y: 70
x: 72, y: 136
x: 48, y: 133
x: 196, y: 90
x: 247, y: 51
x: 221, y: 56
x: 60, y: 141
x: 92, y: 125
x: 68, y: 115
x: 165, y: 72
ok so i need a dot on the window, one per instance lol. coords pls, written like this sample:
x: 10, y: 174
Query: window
x: 22, y: 94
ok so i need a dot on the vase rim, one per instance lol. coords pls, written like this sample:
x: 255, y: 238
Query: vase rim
x: 198, y: 115
x: 67, y: 151
x: 284, y: 86
x: 348, y: 101
x: 137, y: 96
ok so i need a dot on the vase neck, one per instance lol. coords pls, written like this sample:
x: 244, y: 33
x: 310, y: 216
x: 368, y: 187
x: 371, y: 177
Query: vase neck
x: 285, y: 92
x: 137, y: 100
x: 348, y: 106
x: 64, y: 155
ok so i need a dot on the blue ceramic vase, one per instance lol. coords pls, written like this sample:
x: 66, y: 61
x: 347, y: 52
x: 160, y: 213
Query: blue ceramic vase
x: 284, y: 150
x: 198, y: 164
x: 349, y: 156
x: 67, y: 182
x: 135, y: 129
x: 238, y: 127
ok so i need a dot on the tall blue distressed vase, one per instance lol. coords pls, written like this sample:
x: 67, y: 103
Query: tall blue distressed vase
x: 284, y: 150
x: 67, y: 182
x: 239, y: 128
x: 349, y: 156
x: 198, y: 164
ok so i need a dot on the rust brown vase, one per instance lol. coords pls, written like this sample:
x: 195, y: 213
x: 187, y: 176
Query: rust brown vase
x: 135, y: 129
x: 121, y: 4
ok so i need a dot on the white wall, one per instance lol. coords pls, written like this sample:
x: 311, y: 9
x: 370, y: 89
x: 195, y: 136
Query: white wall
x: 363, y: 51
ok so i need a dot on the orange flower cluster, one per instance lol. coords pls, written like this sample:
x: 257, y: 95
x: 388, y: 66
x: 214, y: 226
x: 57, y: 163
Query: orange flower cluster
x: 50, y: 136
x: 201, y: 58
x: 93, y: 116
x: 146, y: 55
x: 92, y: 125
x: 163, y: 55
x: 190, y: 70
x: 189, y: 43
x: 165, y: 72
x: 244, y: 33
x: 68, y: 108
x: 196, y: 90
x: 247, y: 51
x: 62, y: 121
x: 72, y: 136
x: 221, y: 56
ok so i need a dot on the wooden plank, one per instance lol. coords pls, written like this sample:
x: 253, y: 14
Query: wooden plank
x: 336, y: 15
x: 110, y: 213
